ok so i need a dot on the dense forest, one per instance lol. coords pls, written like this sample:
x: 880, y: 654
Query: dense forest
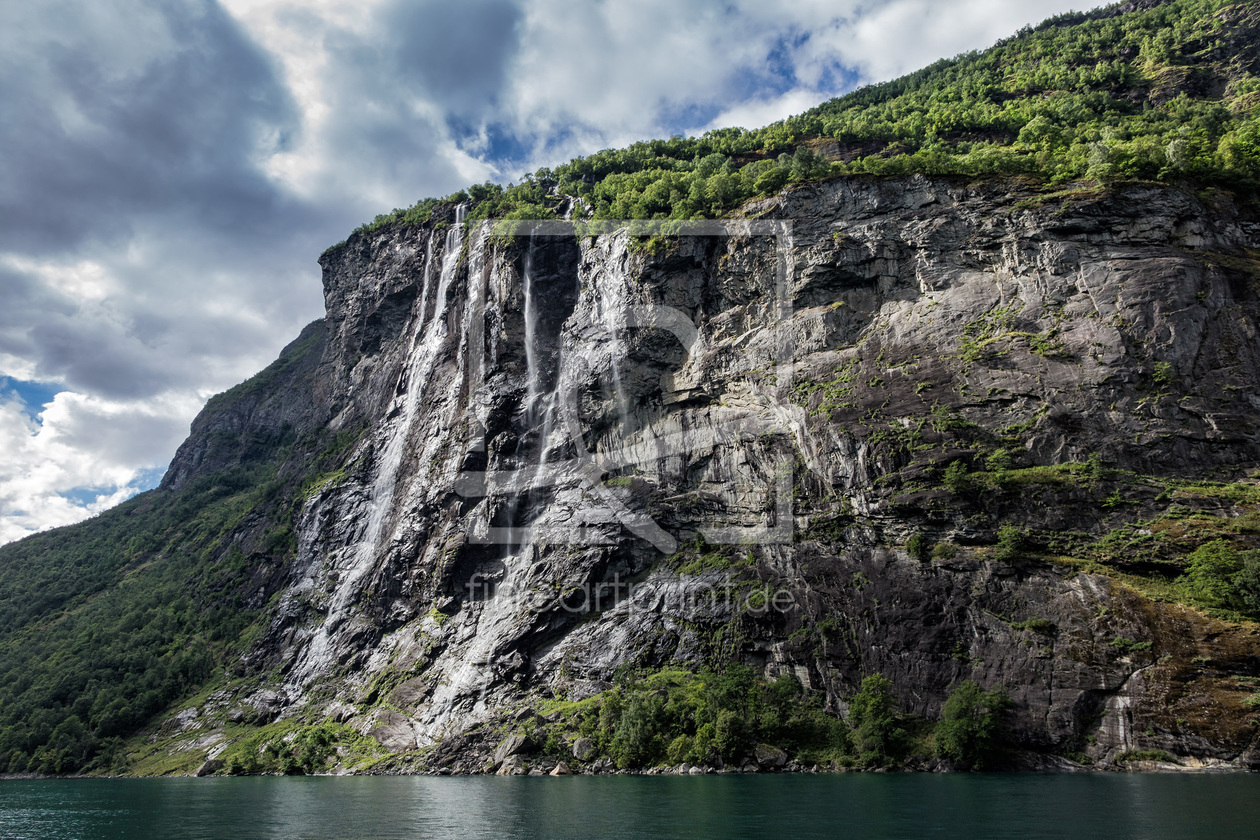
x: 108, y: 623
x: 1169, y: 93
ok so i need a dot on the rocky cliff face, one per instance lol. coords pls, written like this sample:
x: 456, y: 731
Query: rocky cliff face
x: 574, y: 453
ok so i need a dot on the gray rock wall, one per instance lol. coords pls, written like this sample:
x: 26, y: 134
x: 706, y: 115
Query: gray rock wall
x: 560, y: 477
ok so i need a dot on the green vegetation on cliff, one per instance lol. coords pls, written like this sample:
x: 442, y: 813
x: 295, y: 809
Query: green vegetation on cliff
x: 1169, y: 93
x: 107, y: 623
x: 147, y: 606
x: 728, y: 717
x: 970, y: 727
x: 674, y: 716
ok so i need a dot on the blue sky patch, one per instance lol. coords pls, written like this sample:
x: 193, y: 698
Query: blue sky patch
x: 84, y: 496
x: 144, y: 480
x: 33, y: 395
x: 148, y: 479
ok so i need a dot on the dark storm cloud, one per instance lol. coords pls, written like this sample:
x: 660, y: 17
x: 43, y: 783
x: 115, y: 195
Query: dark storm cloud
x: 419, y: 83
x: 139, y: 108
x: 90, y: 356
x: 89, y: 352
x: 187, y: 310
x: 134, y: 135
x: 457, y: 54
x: 24, y: 299
x: 170, y: 172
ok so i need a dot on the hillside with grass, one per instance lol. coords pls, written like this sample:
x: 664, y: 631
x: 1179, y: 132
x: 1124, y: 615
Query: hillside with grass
x: 1023, y: 442
x: 1163, y: 91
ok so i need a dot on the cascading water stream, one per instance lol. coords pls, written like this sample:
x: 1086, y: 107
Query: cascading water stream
x: 424, y: 289
x: 465, y: 688
x: 615, y: 351
x: 532, y: 376
x: 391, y: 449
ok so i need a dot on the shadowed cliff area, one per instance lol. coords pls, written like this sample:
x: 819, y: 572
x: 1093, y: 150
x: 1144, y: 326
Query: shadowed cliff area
x: 913, y: 460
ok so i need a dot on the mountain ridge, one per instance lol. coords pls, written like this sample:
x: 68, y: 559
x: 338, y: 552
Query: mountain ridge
x: 1155, y: 91
x: 1019, y: 418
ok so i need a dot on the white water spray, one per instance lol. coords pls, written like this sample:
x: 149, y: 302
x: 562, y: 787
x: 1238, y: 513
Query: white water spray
x: 391, y: 448
x: 533, y: 382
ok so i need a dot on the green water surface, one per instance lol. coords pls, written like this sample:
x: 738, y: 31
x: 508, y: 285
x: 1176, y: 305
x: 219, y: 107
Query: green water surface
x: 1112, y: 806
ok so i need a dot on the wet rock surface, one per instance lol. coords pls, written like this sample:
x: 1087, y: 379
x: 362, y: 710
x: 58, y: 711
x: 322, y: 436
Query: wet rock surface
x: 580, y: 454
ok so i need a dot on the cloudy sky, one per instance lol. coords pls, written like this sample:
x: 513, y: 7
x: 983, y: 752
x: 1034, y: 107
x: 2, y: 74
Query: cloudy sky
x: 171, y: 169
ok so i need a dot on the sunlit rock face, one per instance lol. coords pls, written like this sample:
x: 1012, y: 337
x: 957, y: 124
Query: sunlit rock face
x: 583, y: 450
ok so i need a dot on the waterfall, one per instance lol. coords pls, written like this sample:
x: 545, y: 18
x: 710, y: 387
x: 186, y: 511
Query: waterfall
x: 537, y: 411
x: 533, y: 387
x: 424, y: 288
x: 532, y: 375
x: 615, y: 351
x: 472, y: 355
x: 391, y: 453
x: 390, y: 450
x: 539, y: 407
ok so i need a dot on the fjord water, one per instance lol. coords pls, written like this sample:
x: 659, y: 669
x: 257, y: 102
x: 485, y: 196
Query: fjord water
x: 1109, y: 806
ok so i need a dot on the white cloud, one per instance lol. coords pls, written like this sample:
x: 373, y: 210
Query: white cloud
x: 172, y: 171
x: 593, y: 75
x: 886, y: 40
x: 369, y: 141
x: 79, y: 442
x: 763, y: 112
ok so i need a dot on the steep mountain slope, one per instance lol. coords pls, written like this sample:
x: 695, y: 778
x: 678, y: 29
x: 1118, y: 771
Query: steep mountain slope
x: 1086, y: 362
x: 104, y: 624
x: 1150, y: 89
x: 670, y: 494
